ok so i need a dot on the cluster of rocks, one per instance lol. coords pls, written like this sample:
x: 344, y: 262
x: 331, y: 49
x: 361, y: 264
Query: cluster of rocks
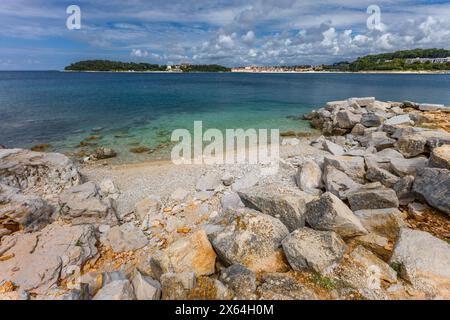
x: 331, y: 223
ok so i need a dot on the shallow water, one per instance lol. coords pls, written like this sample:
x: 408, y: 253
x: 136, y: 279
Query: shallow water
x: 131, y: 109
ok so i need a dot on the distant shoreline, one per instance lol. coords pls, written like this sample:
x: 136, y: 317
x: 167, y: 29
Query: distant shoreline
x: 271, y: 72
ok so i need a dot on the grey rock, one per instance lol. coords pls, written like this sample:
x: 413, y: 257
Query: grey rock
x: 239, y: 279
x: 358, y: 130
x: 338, y: 183
x: 377, y: 174
x: 363, y: 102
x: 329, y: 213
x: 333, y: 148
x: 431, y: 107
x: 440, y: 157
x: 371, y: 120
x: 148, y: 210
x: 231, y: 200
x: 372, y: 196
x: 116, y: 290
x: 227, y: 179
x: 250, y: 238
x: 145, y: 288
x: 83, y: 204
x: 39, y: 260
x: 104, y: 153
x: 30, y: 212
x: 412, y: 145
x: 354, y: 167
x: 125, y: 238
x: 383, y: 222
x: 408, y: 167
x: 433, y: 185
x: 308, y: 249
x: 422, y: 257
x: 375, y: 243
x: 177, y: 286
x: 247, y: 181
x: 417, y: 210
x: 378, y: 139
x: 397, y: 120
x: 372, y: 263
x: 308, y: 177
x: 346, y: 119
x: 280, y: 202
x: 403, y: 189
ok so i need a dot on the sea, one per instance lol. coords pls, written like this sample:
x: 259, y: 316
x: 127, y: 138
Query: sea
x: 78, y: 112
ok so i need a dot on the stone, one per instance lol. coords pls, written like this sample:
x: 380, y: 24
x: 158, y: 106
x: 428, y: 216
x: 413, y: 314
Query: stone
x: 104, y: 153
x: 377, y: 139
x: 209, y: 289
x: 239, y: 279
x: 43, y: 174
x: 375, y: 243
x: 193, y: 253
x: 39, y: 260
x: 308, y: 249
x: 179, y: 194
x: 398, y: 120
x: 280, y: 202
x: 363, y: 102
x: 177, y: 286
x: 371, y: 120
x: 383, y: 222
x: 358, y: 130
x: 145, y: 288
x: 329, y: 213
x: 250, y: 238
x: 403, y: 189
x: 333, y: 148
x: 440, y: 157
x: 422, y: 258
x: 372, y: 196
x: 371, y: 262
x: 27, y: 212
x: 433, y: 185
x: 108, y: 189
x: 116, y: 290
x: 338, y: 183
x: 231, y: 200
x: 346, y: 119
x: 308, y: 177
x: 126, y: 237
x: 417, y: 210
x: 83, y: 204
x: 227, y: 179
x: 148, y: 209
x: 435, y: 138
x: 209, y: 182
x: 280, y: 286
x: 247, y: 181
x: 354, y: 167
x: 377, y: 174
x: 408, y: 167
x: 431, y: 107
x: 412, y: 145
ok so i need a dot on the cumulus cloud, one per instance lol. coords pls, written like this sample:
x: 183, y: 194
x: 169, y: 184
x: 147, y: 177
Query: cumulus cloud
x: 139, y: 53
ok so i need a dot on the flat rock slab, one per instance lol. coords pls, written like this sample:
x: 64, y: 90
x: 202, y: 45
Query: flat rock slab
x: 372, y: 197
x: 383, y: 222
x: 126, y: 237
x: 440, y: 157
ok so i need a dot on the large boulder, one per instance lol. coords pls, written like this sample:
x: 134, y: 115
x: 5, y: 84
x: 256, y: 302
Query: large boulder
x: 338, y: 183
x: 354, y: 167
x: 83, y: 204
x: 177, y: 286
x: 372, y: 196
x: 209, y: 182
x: 377, y: 174
x: 190, y: 254
x: 378, y: 140
x: 440, y: 157
x: 308, y: 249
x: 44, y: 174
x: 346, y: 119
x: 239, y: 279
x: 408, y: 167
x: 281, y: 286
x: 39, y: 260
x: 423, y: 258
x: 145, y: 288
x: 333, y: 148
x: 433, y: 185
x: 371, y: 120
x: 372, y: 263
x: 27, y: 212
x: 280, y: 202
x: 329, y: 213
x: 309, y: 177
x: 412, y: 145
x: 383, y: 222
x: 250, y: 238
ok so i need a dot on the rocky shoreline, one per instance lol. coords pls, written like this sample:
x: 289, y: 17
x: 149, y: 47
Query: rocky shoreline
x: 362, y: 212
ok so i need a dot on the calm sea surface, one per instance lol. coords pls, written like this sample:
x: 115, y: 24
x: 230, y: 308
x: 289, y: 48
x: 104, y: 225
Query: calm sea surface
x: 128, y: 110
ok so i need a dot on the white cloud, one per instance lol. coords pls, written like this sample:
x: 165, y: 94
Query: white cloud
x: 139, y: 53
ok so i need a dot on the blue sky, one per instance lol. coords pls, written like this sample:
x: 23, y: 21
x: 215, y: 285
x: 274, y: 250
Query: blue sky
x: 33, y: 33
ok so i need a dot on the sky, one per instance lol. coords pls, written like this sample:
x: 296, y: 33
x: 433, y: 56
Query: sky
x: 34, y: 33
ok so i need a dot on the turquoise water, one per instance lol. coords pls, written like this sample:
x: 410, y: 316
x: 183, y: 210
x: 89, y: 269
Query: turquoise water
x: 129, y: 109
